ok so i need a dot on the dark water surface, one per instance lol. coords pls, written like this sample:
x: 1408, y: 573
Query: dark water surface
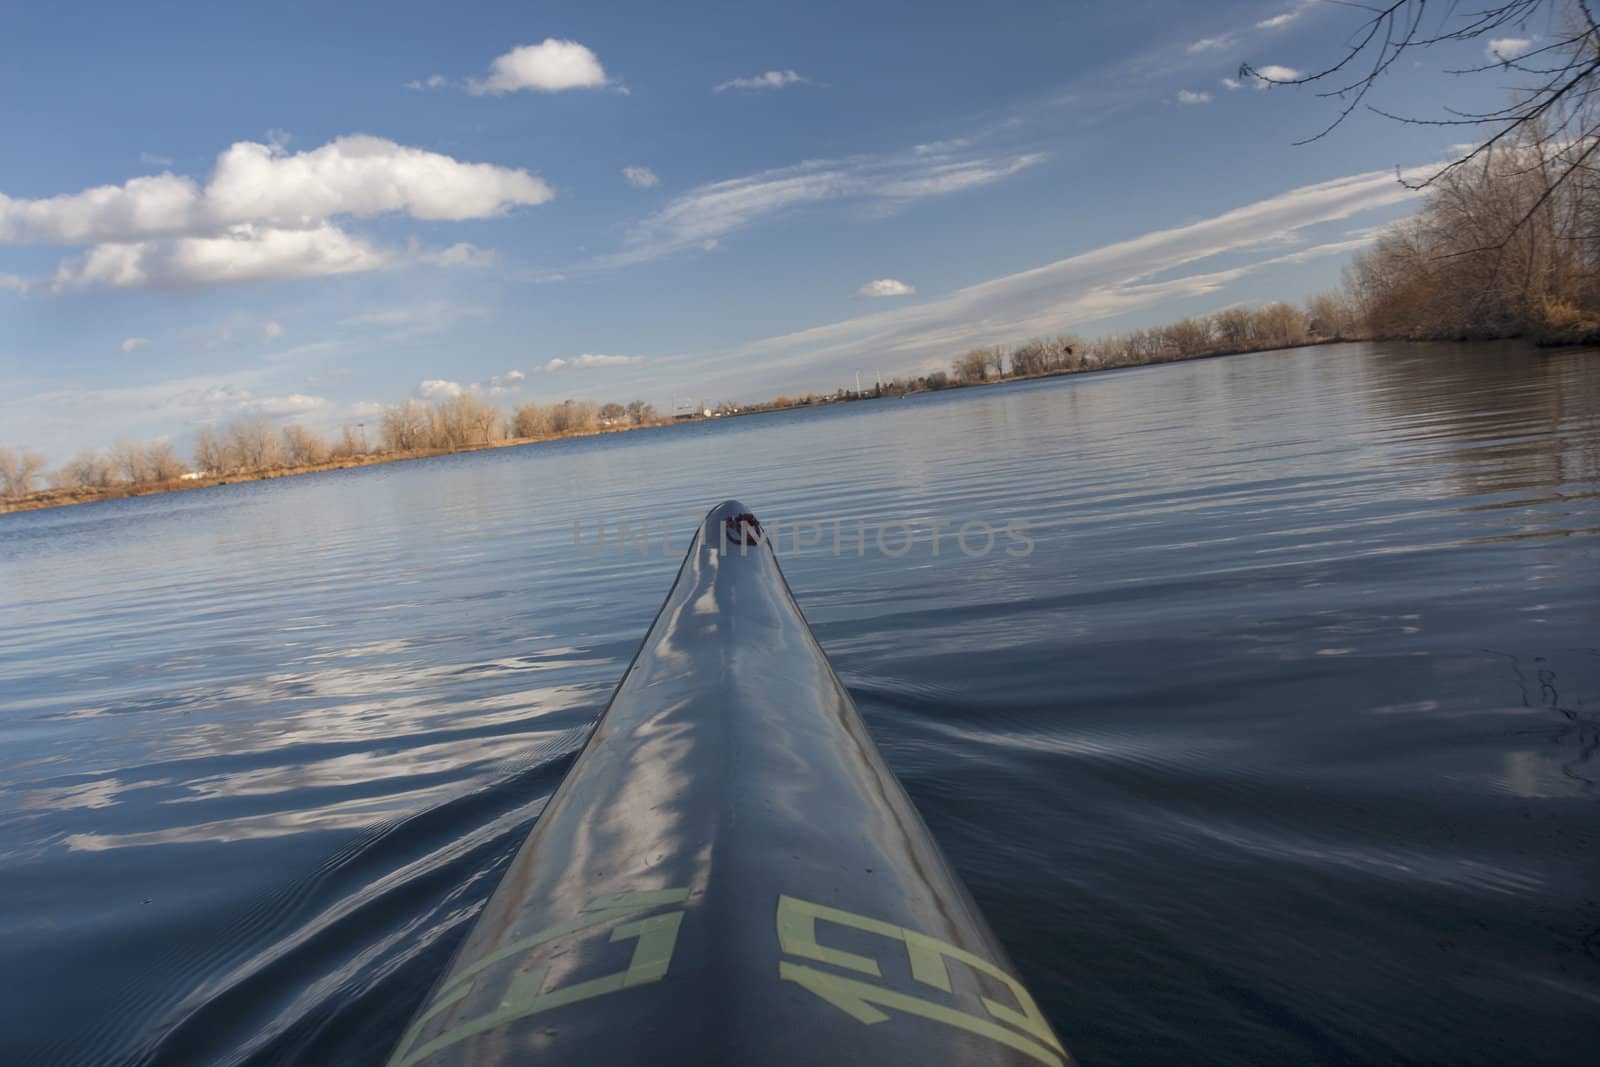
x: 1280, y: 747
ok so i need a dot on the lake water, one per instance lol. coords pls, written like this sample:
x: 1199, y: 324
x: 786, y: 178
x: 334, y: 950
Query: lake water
x: 1278, y: 747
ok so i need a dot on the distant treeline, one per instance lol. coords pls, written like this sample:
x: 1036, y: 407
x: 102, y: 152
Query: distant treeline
x: 254, y: 446
x: 1326, y: 317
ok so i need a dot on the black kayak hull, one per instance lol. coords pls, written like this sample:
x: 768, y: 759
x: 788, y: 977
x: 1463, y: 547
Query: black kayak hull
x: 729, y: 873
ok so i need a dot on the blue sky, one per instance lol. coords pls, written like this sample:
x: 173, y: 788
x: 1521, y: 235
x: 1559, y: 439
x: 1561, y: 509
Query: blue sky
x: 312, y: 210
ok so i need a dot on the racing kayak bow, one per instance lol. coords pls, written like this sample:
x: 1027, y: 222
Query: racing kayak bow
x: 729, y: 873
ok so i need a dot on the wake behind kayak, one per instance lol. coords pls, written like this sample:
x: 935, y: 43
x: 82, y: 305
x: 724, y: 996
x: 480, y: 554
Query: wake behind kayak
x: 730, y: 873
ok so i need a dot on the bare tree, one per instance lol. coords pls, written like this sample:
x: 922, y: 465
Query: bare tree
x: 641, y: 414
x: 572, y: 416
x: 1188, y: 337
x: 303, y: 447
x: 612, y: 413
x: 19, y: 469
x: 530, y: 420
x: 1235, y: 328
x: 348, y: 445
x: 254, y: 444
x: 128, y: 458
x: 1549, y: 103
x: 405, y: 426
x: 210, y: 450
x: 1330, y: 316
x: 974, y: 365
x: 161, y: 462
x: 1280, y: 326
x: 87, y: 470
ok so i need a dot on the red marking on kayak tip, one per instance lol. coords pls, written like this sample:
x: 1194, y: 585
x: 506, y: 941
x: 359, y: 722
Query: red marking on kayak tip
x: 736, y: 525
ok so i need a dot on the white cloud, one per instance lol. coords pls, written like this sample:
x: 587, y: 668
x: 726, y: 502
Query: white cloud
x: 14, y: 282
x: 271, y: 330
x: 710, y: 212
x: 1279, y: 20
x: 133, y: 344
x: 362, y: 176
x: 548, y: 67
x: 640, y: 177
x: 886, y: 287
x: 1185, y: 96
x: 1500, y: 49
x: 463, y: 255
x: 149, y: 206
x: 1273, y: 72
x: 1232, y: 83
x: 244, y: 254
x: 499, y: 385
x: 439, y: 389
x: 433, y: 81
x: 591, y: 360
x: 1211, y: 44
x: 257, y: 184
x: 151, y: 159
x: 772, y: 79
x: 263, y: 214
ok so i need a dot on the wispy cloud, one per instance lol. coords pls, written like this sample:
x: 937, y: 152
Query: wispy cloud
x: 886, y: 287
x: 1211, y: 44
x: 271, y: 330
x: 292, y: 404
x: 1186, y: 96
x: 588, y: 360
x: 133, y: 344
x: 329, y: 376
x: 954, y: 144
x: 1100, y: 284
x: 710, y: 212
x: 463, y: 255
x: 640, y: 177
x: 1277, y: 21
x: 153, y: 160
x: 412, y: 320
x: 433, y: 81
x: 772, y: 79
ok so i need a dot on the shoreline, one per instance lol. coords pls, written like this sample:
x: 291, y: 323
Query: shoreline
x: 60, y: 498
x: 68, y: 497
